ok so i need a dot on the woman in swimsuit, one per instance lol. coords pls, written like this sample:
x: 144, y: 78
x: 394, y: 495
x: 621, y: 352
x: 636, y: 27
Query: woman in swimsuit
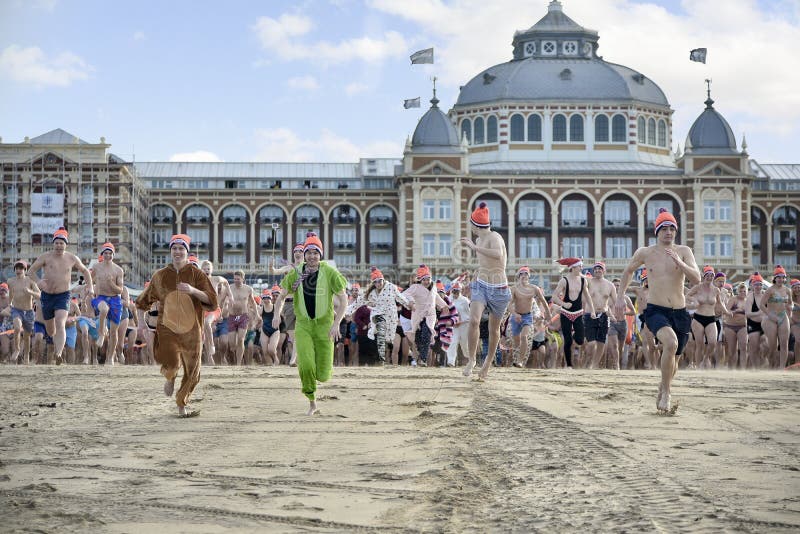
x: 777, y: 307
x: 706, y: 297
x: 735, y: 329
x: 269, y: 335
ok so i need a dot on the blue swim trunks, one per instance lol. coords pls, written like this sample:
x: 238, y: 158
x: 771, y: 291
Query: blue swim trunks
x: 221, y: 329
x: 495, y: 297
x: 39, y: 328
x: 72, y: 336
x: 52, y: 302
x: 516, y: 327
x: 27, y: 318
x: 90, y: 325
x: 657, y: 317
x: 114, y: 307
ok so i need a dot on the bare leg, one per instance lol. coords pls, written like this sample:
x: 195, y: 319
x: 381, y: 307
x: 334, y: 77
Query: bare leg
x: 475, y: 312
x: 494, y: 339
x: 102, y: 326
x: 59, y: 325
x: 669, y: 366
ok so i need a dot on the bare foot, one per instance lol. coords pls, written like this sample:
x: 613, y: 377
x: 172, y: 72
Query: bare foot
x: 663, y: 405
x: 59, y: 360
x: 169, y: 387
x: 312, y: 408
x: 185, y: 411
x: 468, y: 368
x: 14, y: 357
x: 658, y: 397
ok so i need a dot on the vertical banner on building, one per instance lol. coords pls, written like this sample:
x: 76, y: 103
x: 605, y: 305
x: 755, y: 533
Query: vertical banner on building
x: 45, y: 225
x: 47, y: 203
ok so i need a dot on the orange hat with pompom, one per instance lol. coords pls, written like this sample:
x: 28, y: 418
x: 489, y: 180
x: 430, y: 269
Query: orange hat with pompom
x: 312, y: 243
x: 375, y: 274
x: 756, y: 278
x: 61, y: 233
x: 779, y: 271
x: 480, y: 217
x: 423, y: 272
x: 665, y: 218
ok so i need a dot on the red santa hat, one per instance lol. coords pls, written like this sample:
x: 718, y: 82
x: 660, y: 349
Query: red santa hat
x: 665, y: 218
x: 312, y: 243
x: 61, y: 233
x: 480, y: 217
x: 570, y: 262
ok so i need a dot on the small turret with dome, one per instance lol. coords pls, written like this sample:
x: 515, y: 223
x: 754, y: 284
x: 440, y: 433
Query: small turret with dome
x: 435, y: 132
x: 711, y: 133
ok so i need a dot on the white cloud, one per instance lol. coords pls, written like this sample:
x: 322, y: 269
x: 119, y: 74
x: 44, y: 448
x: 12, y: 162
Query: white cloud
x: 308, y: 83
x: 31, y: 66
x: 284, y: 145
x: 281, y: 37
x: 355, y: 88
x: 197, y: 155
x: 749, y: 62
x: 139, y: 36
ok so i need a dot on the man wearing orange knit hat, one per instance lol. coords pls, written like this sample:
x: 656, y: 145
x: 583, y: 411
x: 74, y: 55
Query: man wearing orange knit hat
x: 668, y: 266
x: 490, y: 289
x: 108, y: 281
x: 319, y: 305
x: 57, y: 266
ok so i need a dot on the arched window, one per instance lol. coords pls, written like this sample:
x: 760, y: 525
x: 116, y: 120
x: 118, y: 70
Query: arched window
x: 601, y: 129
x: 479, y: 131
x: 642, y: 130
x: 491, y: 129
x: 517, y: 127
x: 576, y: 128
x: 534, y: 128
x: 466, y: 129
x: 651, y: 132
x: 662, y: 133
x: 559, y: 128
x: 618, y: 129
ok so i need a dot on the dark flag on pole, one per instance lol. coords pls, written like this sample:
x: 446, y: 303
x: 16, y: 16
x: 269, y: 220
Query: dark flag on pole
x: 411, y: 103
x: 698, y: 54
x: 422, y: 56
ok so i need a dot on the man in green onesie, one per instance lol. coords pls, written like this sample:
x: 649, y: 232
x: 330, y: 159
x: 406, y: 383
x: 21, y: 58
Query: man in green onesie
x: 319, y: 304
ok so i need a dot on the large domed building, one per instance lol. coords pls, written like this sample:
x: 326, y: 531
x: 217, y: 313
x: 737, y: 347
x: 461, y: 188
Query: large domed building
x: 572, y: 154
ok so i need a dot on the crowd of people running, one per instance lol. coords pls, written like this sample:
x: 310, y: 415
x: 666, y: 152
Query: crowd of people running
x: 424, y: 323
x: 315, y: 319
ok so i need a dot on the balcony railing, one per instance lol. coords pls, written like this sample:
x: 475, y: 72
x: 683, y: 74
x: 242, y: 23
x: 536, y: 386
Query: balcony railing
x: 618, y: 223
x: 531, y: 223
x: 380, y: 246
x: 344, y: 245
x: 380, y: 220
x: 577, y: 223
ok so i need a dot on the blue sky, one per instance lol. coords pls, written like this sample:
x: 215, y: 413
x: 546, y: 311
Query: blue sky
x: 325, y: 80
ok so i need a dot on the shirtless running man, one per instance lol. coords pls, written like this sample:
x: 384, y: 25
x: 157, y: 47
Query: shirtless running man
x: 107, y: 304
x: 489, y: 289
x: 604, y: 296
x: 22, y: 291
x: 57, y: 266
x: 522, y: 296
x: 242, y: 306
x: 668, y: 266
x: 221, y: 286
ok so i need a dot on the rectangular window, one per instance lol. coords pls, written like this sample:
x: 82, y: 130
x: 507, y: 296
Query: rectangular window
x: 785, y: 259
x: 618, y: 213
x: 726, y: 246
x: 445, y: 245
x: 573, y: 213
x: 344, y: 258
x: 380, y: 236
x: 428, y: 245
x: 87, y: 193
x: 532, y: 247
x: 11, y: 235
x: 87, y: 214
x: 160, y: 260
x: 710, y: 246
x: 576, y: 246
x: 531, y: 213
x: 265, y: 236
x: 160, y: 236
x: 12, y: 194
x: 725, y: 210
x: 233, y: 259
x: 344, y: 236
x: 619, y: 247
x: 87, y: 234
x: 198, y: 235
x: 428, y: 210
x: 233, y: 236
x: 709, y: 210
x: 381, y: 259
x: 445, y: 210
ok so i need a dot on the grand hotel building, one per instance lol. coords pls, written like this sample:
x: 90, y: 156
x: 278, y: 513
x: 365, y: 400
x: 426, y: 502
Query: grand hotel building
x: 572, y: 154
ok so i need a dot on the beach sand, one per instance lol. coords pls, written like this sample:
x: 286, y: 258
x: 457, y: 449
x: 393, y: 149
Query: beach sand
x: 398, y: 449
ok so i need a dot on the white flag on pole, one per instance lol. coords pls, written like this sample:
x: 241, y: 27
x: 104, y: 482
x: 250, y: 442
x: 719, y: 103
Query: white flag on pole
x: 411, y: 103
x: 422, y: 56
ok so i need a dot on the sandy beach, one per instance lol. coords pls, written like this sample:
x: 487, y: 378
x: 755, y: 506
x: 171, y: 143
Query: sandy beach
x: 88, y: 449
